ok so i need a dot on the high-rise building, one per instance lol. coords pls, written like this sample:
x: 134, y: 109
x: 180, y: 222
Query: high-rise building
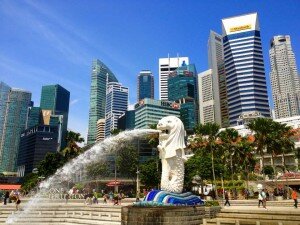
x: 126, y: 120
x: 244, y: 67
x: 145, y: 85
x: 167, y: 65
x: 14, y: 110
x: 285, y: 79
x: 55, y: 101
x: 149, y: 111
x: 207, y: 110
x: 216, y: 64
x: 4, y: 94
x: 34, y: 117
x: 182, y: 89
x: 116, y: 105
x: 101, y: 74
x: 100, y: 130
x: 35, y: 143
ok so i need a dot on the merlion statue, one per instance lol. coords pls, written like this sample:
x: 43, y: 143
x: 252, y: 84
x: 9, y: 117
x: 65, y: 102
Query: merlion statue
x: 171, y: 152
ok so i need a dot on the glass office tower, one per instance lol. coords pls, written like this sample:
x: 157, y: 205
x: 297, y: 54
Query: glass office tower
x: 244, y: 67
x: 116, y: 105
x: 15, y: 105
x: 101, y: 74
x: 145, y: 86
x: 182, y: 89
x: 56, y: 99
x: 149, y: 111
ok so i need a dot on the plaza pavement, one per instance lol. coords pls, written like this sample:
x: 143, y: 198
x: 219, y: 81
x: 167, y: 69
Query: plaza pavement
x: 56, y: 211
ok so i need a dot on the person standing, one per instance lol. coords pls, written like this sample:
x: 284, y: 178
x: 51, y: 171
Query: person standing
x: 226, y: 199
x: 6, y: 196
x: 294, y: 197
x: 260, y: 198
x: 18, y: 202
x: 264, y: 200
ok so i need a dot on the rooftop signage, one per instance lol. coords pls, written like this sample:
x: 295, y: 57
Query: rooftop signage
x: 239, y: 28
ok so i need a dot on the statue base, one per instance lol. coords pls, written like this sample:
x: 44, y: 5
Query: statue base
x: 159, y: 198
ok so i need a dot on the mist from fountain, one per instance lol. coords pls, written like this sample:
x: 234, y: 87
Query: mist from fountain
x: 63, y: 175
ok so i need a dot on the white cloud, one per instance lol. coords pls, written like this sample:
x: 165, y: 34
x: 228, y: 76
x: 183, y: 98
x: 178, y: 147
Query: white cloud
x: 74, y: 101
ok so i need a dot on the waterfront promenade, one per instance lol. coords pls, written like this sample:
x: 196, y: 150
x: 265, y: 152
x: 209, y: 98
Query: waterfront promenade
x: 76, y: 212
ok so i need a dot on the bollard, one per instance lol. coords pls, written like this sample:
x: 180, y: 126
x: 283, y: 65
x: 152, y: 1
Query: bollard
x: 204, y: 222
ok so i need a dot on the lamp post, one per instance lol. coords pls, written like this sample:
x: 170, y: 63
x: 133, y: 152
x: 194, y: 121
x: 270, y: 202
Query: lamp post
x: 137, y: 186
x: 222, y: 187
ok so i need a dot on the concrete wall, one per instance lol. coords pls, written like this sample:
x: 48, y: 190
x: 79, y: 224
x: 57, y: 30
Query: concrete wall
x: 173, y: 215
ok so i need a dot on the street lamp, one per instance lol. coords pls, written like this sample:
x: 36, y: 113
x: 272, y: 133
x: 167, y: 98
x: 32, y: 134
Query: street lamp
x: 137, y: 173
x: 222, y: 187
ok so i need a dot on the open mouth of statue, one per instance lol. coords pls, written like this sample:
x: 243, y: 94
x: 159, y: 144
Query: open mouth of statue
x: 165, y: 131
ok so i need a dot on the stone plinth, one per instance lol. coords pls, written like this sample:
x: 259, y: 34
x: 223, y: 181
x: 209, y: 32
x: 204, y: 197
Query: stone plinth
x: 162, y: 215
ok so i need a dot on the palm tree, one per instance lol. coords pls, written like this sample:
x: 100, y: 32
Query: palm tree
x: 72, y: 150
x: 229, y: 138
x: 262, y: 127
x: 247, y: 160
x: 210, y: 131
x: 280, y: 141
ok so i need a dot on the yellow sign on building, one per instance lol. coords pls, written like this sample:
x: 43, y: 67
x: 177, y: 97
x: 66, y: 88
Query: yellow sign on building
x: 239, y: 28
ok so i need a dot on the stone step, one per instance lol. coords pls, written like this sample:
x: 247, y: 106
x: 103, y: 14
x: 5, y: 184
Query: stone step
x: 260, y: 216
x: 52, y: 221
x: 222, y: 221
x: 262, y: 211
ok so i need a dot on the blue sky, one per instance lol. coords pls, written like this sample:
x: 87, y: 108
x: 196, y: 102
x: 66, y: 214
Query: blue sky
x: 49, y: 42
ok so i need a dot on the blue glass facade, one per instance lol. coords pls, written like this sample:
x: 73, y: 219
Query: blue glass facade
x: 182, y: 89
x: 4, y: 94
x: 35, y: 143
x: 57, y: 99
x: 244, y: 68
x: 116, y: 105
x: 14, y: 121
x: 145, y: 85
x: 149, y: 111
x: 101, y: 74
x: 126, y: 121
x: 34, y: 116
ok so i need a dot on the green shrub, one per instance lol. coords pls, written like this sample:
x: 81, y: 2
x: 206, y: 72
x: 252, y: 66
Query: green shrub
x: 211, y: 203
x: 238, y: 183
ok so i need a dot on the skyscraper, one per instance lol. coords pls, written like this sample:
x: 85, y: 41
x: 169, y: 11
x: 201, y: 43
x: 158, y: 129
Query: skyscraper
x: 285, y: 79
x: 244, y: 67
x: 14, y: 109
x: 34, y: 117
x: 218, y: 78
x: 182, y: 89
x: 127, y: 120
x: 55, y: 101
x: 4, y: 94
x: 101, y: 74
x: 145, y: 85
x: 35, y: 143
x: 149, y: 111
x: 100, y: 130
x: 167, y: 65
x: 116, y: 105
x: 207, y: 109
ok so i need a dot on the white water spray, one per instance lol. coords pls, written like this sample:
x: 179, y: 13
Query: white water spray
x: 109, y: 145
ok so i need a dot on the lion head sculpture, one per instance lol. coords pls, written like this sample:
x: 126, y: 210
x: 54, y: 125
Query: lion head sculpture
x: 171, y: 137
